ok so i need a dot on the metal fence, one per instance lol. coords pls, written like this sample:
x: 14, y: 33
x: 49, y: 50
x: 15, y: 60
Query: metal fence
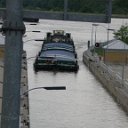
x: 107, y: 72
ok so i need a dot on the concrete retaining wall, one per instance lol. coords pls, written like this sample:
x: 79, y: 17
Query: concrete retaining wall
x: 109, y: 79
x: 24, y: 105
x: 60, y: 16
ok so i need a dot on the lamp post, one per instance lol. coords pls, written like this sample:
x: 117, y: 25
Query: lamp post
x: 33, y: 40
x: 107, y: 28
x: 35, y: 31
x: 25, y: 102
x: 92, y: 36
x: 95, y: 33
x: 123, y: 67
x: 107, y: 34
x: 94, y: 25
x: 46, y: 88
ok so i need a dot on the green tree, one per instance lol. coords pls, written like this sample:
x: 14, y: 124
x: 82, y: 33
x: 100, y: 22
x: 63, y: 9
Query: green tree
x: 122, y: 33
x: 86, y: 6
x: 120, y: 6
x: 2, y: 3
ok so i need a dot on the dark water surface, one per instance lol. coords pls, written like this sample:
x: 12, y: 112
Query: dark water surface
x: 84, y: 103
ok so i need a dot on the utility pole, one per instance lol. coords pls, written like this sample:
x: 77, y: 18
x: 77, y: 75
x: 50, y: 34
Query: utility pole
x: 65, y: 9
x: 13, y: 28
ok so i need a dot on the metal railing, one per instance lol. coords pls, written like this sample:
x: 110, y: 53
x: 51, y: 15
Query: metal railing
x: 108, y: 72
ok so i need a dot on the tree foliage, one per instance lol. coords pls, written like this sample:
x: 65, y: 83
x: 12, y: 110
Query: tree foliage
x: 88, y: 6
x: 120, y: 6
x: 122, y: 33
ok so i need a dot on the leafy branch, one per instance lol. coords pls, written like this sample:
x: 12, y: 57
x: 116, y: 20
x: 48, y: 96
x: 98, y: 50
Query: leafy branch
x: 122, y: 33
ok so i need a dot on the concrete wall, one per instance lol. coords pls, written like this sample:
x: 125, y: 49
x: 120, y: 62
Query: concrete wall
x: 103, y: 18
x: 24, y: 109
x: 70, y: 16
x: 109, y: 79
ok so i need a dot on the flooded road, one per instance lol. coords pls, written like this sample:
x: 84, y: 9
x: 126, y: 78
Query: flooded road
x: 84, y: 103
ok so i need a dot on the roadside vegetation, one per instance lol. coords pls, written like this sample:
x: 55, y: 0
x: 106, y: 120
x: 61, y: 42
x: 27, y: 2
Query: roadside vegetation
x: 99, y: 51
x: 85, y: 6
x: 122, y: 33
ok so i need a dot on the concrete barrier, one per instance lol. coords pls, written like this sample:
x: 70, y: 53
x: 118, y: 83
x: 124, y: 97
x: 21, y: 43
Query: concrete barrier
x: 70, y: 16
x: 109, y: 79
x: 24, y: 109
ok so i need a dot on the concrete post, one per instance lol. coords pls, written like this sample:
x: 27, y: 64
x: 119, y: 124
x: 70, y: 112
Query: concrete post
x: 65, y: 9
x: 13, y: 28
x: 108, y: 11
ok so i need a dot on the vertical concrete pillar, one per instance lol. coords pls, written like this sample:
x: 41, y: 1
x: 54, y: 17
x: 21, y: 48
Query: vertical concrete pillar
x: 108, y: 10
x: 13, y: 28
x: 65, y: 9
